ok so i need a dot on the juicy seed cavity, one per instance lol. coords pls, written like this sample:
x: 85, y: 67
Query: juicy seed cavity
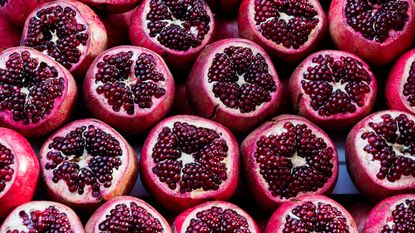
x: 124, y: 88
x: 403, y: 218
x: 409, y: 86
x: 57, y: 32
x: 218, y: 220
x: 128, y: 218
x: 241, y: 79
x: 29, y: 88
x: 86, y: 156
x: 392, y: 142
x: 178, y: 25
x: 47, y: 220
x: 7, y: 159
x: 375, y: 19
x: 295, y: 161
x: 336, y: 85
x: 190, y: 157
x: 316, y: 217
x: 286, y: 23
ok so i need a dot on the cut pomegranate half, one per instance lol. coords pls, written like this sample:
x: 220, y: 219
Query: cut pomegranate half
x: 187, y: 160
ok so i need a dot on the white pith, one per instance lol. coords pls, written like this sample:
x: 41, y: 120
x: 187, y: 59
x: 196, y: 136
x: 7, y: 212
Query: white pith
x: 372, y: 166
x: 12, y: 166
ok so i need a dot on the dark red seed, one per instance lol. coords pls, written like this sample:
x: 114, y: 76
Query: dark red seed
x: 7, y: 159
x: 409, y: 86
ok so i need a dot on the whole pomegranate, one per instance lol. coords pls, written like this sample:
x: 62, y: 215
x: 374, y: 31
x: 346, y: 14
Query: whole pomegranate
x: 181, y: 103
x: 187, y: 160
x: 127, y: 214
x: 177, y: 30
x: 117, y: 24
x: 10, y: 34
x: 37, y: 94
x: 360, y: 211
x: 333, y: 89
x: 377, y: 31
x: 130, y: 88
x: 224, y: 7
x: 234, y: 82
x: 19, y: 171
x: 287, y: 30
x: 226, y: 28
x: 400, y: 86
x: 86, y: 163
x: 288, y: 157
x: 215, y: 216
x: 394, y: 214
x: 379, y: 153
x: 68, y: 31
x: 42, y: 216
x: 117, y: 6
x: 312, y: 213
x: 16, y: 11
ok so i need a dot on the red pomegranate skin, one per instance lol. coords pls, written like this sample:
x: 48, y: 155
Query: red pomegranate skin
x: 347, y: 39
x: 360, y: 211
x: 226, y: 28
x: 26, y: 172
x: 399, y: 82
x: 382, y: 215
x: 369, y: 185
x: 258, y: 186
x: 117, y: 24
x: 114, y: 6
x: 17, y: 11
x: 10, y: 34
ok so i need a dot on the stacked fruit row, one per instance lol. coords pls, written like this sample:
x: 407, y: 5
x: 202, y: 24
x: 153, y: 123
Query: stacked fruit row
x: 204, y: 92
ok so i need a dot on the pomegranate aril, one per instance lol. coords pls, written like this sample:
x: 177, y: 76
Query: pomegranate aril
x: 7, y: 159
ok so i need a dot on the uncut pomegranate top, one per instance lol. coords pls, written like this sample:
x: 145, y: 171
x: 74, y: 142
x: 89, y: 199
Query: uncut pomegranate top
x: 86, y: 160
x: 288, y: 24
x: 387, y: 142
x: 177, y: 25
x: 32, y: 86
x: 375, y: 19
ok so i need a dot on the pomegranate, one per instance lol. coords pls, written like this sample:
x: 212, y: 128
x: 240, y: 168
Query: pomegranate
x: 117, y: 6
x: 16, y: 11
x: 87, y: 162
x: 234, y: 82
x: 68, y: 31
x: 127, y: 214
x: 311, y: 213
x: 288, y: 157
x: 360, y: 210
x: 37, y: 94
x: 226, y: 28
x: 130, y: 88
x: 215, y: 216
x: 394, y: 214
x: 377, y: 31
x: 225, y: 7
x: 10, y: 34
x: 117, y: 24
x: 379, y: 153
x: 42, y: 216
x: 181, y: 103
x: 177, y: 30
x: 187, y: 160
x: 333, y: 89
x: 19, y: 171
x: 287, y: 30
x: 400, y: 86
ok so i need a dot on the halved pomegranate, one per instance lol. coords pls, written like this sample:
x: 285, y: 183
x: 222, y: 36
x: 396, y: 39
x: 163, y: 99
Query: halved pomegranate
x: 312, y: 213
x: 16, y: 11
x: 215, y: 216
x: 10, y: 34
x: 394, y: 214
x: 377, y: 31
x: 288, y: 157
x: 333, y: 89
x: 19, y: 171
x: 380, y: 152
x: 187, y: 160
x: 42, y: 216
x: 37, y: 94
x: 234, y: 82
x: 400, y: 86
x: 117, y: 6
x: 287, y: 30
x: 130, y: 88
x: 127, y: 214
x: 177, y: 30
x: 68, y: 31
x: 86, y: 163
